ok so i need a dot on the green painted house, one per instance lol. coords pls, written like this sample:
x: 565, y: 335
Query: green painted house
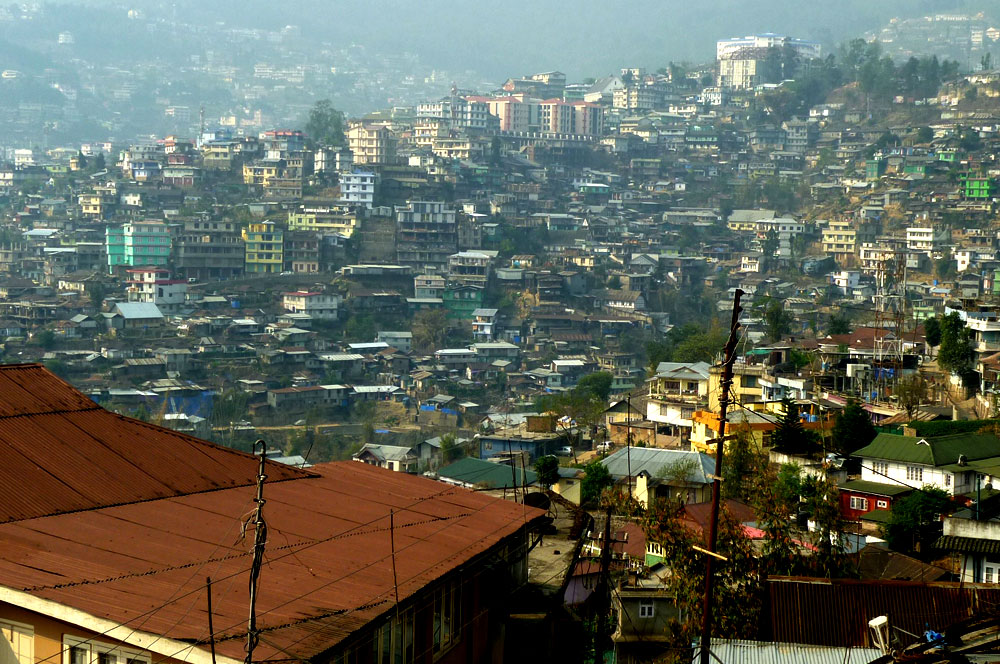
x: 977, y: 187
x: 461, y: 301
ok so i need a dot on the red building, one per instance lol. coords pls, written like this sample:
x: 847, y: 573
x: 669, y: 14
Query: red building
x: 860, y: 497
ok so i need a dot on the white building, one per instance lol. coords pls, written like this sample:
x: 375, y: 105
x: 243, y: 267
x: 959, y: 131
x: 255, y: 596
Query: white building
x: 320, y: 306
x: 358, y: 189
x: 154, y: 286
x: 804, y: 49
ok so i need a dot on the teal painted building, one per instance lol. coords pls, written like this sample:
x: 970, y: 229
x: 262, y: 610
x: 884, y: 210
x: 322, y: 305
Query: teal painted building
x: 138, y: 243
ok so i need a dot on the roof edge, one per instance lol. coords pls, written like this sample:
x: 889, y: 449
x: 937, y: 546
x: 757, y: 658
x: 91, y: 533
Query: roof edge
x: 161, y: 645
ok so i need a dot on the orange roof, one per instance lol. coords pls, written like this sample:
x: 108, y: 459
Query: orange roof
x: 123, y: 520
x: 73, y: 455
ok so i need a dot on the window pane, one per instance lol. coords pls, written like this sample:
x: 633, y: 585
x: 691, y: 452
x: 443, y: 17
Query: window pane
x: 79, y: 655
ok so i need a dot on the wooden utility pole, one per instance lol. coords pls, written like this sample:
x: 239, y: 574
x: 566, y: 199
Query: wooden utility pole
x: 603, y: 593
x: 713, y: 526
x: 259, y: 539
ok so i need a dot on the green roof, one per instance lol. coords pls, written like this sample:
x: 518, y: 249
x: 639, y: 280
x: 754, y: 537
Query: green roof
x: 939, y: 451
x: 877, y: 516
x: 486, y: 473
x: 875, y: 488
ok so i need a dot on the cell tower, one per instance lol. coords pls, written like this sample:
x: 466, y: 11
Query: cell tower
x: 890, y: 314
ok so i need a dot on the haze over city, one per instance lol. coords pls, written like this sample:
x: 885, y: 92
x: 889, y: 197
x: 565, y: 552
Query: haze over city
x: 397, y: 332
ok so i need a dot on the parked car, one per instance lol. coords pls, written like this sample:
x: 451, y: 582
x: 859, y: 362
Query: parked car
x: 606, y: 446
x: 566, y: 450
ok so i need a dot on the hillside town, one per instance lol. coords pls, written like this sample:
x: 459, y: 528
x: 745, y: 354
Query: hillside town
x: 570, y: 318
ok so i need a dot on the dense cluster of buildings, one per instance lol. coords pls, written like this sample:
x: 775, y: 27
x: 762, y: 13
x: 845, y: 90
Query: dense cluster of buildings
x: 433, y: 276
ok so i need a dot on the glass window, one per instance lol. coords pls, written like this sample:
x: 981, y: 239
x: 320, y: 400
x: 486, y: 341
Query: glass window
x: 21, y: 639
x: 646, y: 609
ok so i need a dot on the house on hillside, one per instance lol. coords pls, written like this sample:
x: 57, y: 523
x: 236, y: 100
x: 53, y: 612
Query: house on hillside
x: 656, y: 473
x: 951, y: 463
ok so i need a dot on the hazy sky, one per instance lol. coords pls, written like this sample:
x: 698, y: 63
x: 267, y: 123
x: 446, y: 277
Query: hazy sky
x: 579, y: 37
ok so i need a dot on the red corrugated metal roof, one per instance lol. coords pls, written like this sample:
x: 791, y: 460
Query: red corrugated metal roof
x: 62, y: 453
x: 328, y: 562
x: 836, y: 613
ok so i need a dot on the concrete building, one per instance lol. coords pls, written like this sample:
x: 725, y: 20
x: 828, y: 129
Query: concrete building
x: 138, y: 243
x: 320, y: 306
x: 207, y: 250
x: 371, y: 143
x: 265, y: 248
x: 154, y: 285
x: 357, y: 188
x: 426, y: 235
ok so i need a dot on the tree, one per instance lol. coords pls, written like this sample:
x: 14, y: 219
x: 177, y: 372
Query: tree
x: 97, y: 296
x: 596, y: 384
x: 742, y: 465
x: 840, y: 323
x: 99, y: 164
x: 450, y: 449
x: 914, y: 522
x: 911, y: 391
x: 777, y: 321
x: 360, y: 328
x: 932, y: 332
x: 46, y: 339
x: 790, y: 436
x: 738, y: 578
x: 956, y: 353
x: 430, y: 327
x: 852, y: 430
x: 615, y: 282
x: 925, y: 134
x: 547, y: 468
x: 596, y: 478
x: 326, y: 124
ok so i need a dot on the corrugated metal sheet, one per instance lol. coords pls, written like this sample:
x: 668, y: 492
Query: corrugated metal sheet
x: 328, y: 565
x: 74, y: 455
x: 733, y: 651
x: 836, y: 613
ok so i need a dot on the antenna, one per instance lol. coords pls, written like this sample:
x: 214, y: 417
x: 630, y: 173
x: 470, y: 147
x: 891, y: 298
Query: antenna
x: 259, y: 539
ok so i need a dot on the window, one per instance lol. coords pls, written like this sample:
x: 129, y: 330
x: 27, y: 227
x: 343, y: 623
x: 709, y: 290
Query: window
x: 880, y: 467
x: 77, y: 650
x: 22, y: 640
x: 447, y: 617
x: 858, y: 503
x: 882, y: 504
x: 947, y: 479
x: 393, y: 642
x: 646, y: 609
x: 915, y: 473
x: 988, y: 574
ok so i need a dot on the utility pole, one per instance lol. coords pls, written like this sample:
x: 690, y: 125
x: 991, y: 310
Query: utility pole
x: 713, y: 527
x: 628, y: 440
x: 259, y: 539
x: 603, y: 592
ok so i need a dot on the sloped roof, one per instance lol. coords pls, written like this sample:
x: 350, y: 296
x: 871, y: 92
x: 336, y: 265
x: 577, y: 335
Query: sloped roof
x: 939, y: 451
x: 683, y: 370
x: 138, y: 310
x: 486, y: 473
x: 74, y: 455
x: 328, y: 566
x: 652, y: 460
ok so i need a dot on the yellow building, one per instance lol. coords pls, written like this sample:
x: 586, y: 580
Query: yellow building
x: 265, y: 249
x: 262, y: 172
x: 333, y: 219
x: 371, y: 143
x: 745, y: 387
x: 839, y: 239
